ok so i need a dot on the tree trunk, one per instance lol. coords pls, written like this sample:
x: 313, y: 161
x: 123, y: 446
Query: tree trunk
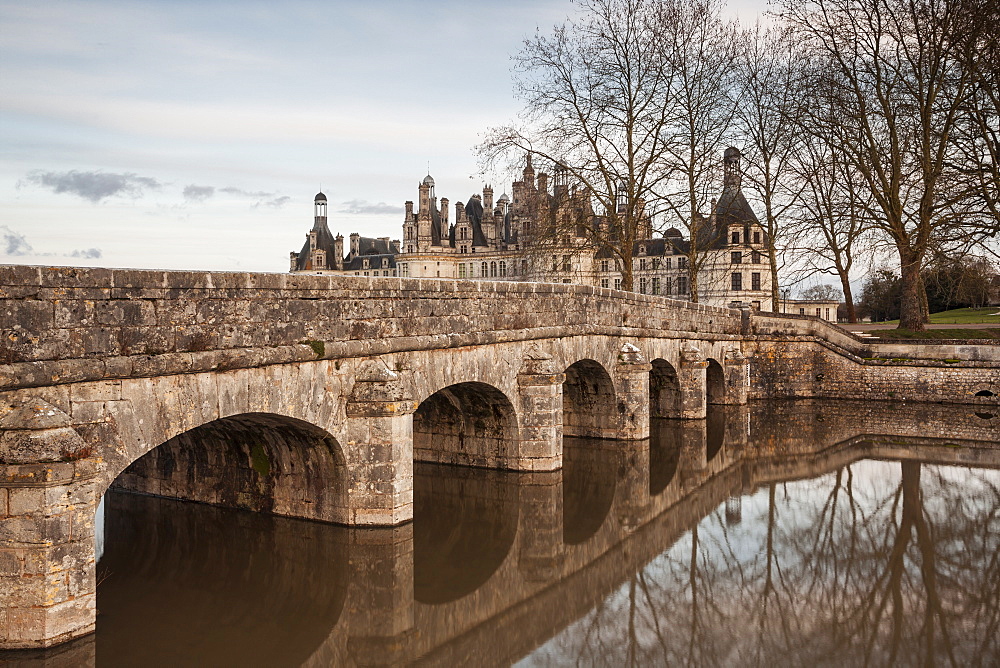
x: 911, y: 306
x: 845, y: 285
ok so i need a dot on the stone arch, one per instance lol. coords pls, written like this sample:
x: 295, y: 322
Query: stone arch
x: 470, y: 424
x: 589, y: 406
x: 465, y: 523
x: 664, y: 390
x: 263, y: 462
x: 715, y: 383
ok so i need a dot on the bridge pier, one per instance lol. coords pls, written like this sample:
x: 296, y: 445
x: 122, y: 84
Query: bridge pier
x: 737, y: 375
x: 691, y: 377
x: 48, y: 498
x: 541, y: 409
x: 380, y: 439
x: 633, y: 393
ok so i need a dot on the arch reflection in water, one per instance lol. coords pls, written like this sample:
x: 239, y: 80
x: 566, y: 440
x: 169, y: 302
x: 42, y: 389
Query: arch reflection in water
x: 590, y: 475
x: 464, y: 524
x: 189, y: 584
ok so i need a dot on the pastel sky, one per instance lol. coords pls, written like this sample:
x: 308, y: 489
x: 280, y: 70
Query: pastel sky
x: 193, y: 134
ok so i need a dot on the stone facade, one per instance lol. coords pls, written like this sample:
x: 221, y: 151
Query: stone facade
x: 508, y: 240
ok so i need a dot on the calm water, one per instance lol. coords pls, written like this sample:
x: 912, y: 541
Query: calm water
x: 792, y: 534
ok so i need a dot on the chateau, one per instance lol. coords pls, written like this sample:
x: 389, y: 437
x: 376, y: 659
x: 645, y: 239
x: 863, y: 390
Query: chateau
x: 508, y: 239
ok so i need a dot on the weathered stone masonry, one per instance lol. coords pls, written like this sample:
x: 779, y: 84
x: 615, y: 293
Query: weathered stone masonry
x: 332, y: 386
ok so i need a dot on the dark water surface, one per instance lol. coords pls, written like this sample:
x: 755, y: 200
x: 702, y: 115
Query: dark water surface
x: 789, y: 534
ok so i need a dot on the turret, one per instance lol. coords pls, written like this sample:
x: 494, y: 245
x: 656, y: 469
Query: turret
x: 488, y: 198
x: 733, y: 174
x: 338, y: 251
x: 543, y: 182
x: 319, y: 210
x: 529, y: 173
x: 355, y: 244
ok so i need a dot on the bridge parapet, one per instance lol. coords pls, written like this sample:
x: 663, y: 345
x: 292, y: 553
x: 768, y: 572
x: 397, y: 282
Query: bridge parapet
x: 64, y: 325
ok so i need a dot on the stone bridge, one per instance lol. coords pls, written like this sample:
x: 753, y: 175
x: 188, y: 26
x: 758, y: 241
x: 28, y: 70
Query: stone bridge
x: 331, y: 387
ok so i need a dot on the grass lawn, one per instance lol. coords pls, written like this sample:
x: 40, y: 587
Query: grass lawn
x: 963, y: 316
x: 986, y: 333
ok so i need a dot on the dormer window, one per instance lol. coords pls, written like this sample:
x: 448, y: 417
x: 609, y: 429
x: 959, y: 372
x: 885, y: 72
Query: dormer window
x: 385, y: 263
x: 736, y: 237
x: 365, y: 264
x: 642, y: 250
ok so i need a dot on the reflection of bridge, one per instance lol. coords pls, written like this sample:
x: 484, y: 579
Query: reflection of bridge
x: 312, y: 396
x: 522, y: 564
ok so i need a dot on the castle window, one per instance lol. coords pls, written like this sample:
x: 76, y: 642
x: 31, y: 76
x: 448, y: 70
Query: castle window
x: 656, y: 287
x: 818, y: 313
x: 682, y: 285
x: 503, y: 268
x: 404, y: 269
x: 493, y: 269
x: 736, y: 257
x: 737, y: 282
x: 555, y: 263
x: 604, y: 282
x: 656, y: 263
x: 667, y: 286
x: 736, y: 237
x: 755, y: 281
x: 524, y: 267
x: 385, y: 272
x: 367, y: 273
x: 385, y: 262
x: 642, y: 285
x: 642, y: 250
x: 461, y: 270
x: 484, y: 270
x: 642, y: 264
x: 618, y: 284
x: 682, y: 263
x: 756, y: 237
x: 567, y: 263
x: 365, y: 264
x: 605, y: 265
x: 802, y: 311
x: 755, y: 305
x: 666, y: 263
x: 827, y: 314
x: 755, y: 257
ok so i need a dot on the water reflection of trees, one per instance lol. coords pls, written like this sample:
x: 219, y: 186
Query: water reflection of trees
x: 877, y: 563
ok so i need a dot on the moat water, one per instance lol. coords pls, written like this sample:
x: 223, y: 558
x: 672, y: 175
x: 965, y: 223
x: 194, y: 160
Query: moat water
x: 785, y: 534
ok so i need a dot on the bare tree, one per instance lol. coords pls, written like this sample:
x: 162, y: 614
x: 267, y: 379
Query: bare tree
x: 768, y: 84
x: 895, y: 78
x: 596, y: 96
x: 698, y: 49
x: 832, y: 227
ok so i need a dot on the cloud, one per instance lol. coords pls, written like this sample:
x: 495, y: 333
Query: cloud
x: 198, y: 193
x: 14, y: 243
x: 360, y: 206
x: 275, y: 203
x: 245, y: 193
x: 94, y: 186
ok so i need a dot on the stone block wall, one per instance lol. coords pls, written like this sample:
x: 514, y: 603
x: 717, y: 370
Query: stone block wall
x: 62, y: 324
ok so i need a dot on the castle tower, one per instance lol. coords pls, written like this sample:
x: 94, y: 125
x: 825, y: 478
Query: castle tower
x: 319, y: 211
x: 425, y: 218
x: 733, y: 173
